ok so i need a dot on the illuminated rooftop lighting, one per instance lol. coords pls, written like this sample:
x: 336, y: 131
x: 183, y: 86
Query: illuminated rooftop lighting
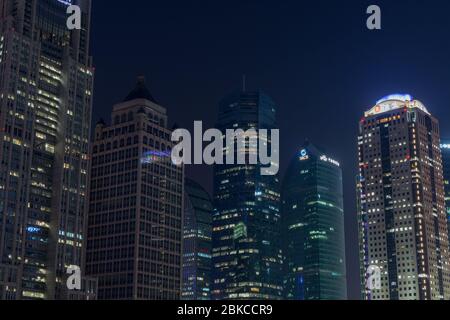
x: 395, y: 101
x: 397, y: 96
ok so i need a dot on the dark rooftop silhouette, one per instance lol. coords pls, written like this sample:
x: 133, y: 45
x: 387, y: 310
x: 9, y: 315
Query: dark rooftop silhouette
x: 140, y: 91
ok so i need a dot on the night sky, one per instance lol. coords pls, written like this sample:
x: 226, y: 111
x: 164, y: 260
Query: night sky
x: 316, y: 59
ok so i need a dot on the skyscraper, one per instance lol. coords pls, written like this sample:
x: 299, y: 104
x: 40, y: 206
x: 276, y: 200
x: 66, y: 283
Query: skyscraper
x: 313, y: 228
x: 445, y: 148
x: 401, y: 207
x: 246, y: 223
x: 46, y: 80
x: 197, y: 246
x: 135, y: 204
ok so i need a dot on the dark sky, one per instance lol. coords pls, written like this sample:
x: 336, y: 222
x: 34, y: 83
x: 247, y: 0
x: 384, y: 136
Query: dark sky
x: 316, y: 59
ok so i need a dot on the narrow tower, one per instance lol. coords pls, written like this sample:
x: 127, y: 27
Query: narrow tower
x: 197, y: 244
x: 401, y: 205
x: 313, y: 227
x: 445, y: 147
x: 46, y: 83
x: 246, y: 223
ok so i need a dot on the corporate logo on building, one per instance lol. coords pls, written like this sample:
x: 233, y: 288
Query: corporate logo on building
x: 304, y: 155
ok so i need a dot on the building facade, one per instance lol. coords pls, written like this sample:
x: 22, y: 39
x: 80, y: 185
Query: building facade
x: 313, y: 228
x: 197, y: 245
x: 46, y: 83
x: 404, y: 247
x: 445, y: 148
x: 136, y: 204
x: 247, y: 255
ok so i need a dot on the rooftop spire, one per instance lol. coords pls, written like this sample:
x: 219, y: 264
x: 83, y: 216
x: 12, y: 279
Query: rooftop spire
x: 140, y: 91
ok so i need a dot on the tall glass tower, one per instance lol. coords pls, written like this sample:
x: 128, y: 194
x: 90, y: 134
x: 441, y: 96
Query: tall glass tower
x: 313, y: 228
x: 246, y: 248
x: 404, y: 246
x: 445, y: 148
x: 46, y: 83
x: 197, y: 246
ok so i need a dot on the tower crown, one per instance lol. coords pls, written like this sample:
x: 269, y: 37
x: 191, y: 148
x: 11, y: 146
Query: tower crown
x: 394, y: 102
x: 140, y: 91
